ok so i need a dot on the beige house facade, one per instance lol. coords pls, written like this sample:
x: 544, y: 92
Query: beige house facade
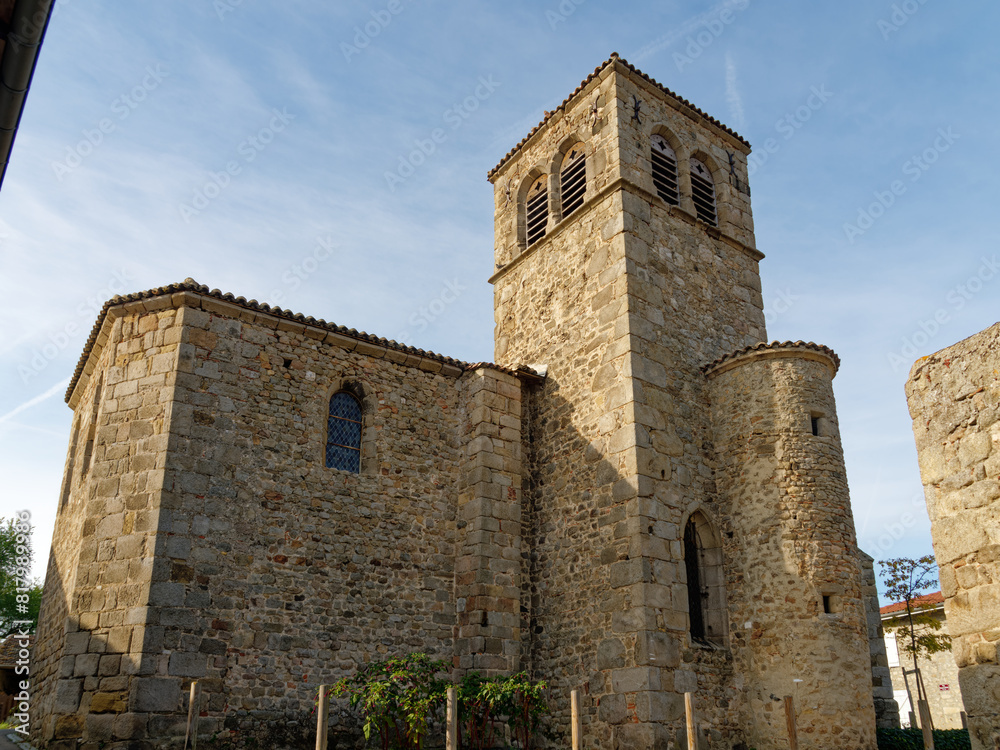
x: 939, y: 671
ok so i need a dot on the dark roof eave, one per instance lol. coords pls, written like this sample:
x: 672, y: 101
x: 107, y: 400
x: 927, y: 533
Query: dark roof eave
x: 29, y: 22
x: 191, y: 286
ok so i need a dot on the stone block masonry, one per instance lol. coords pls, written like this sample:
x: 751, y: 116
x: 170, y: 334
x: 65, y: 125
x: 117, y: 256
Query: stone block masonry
x: 954, y: 400
x: 216, y: 545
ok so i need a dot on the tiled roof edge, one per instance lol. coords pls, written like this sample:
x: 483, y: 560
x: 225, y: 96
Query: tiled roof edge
x: 933, y: 598
x: 763, y: 346
x: 597, y: 71
x: 190, y: 285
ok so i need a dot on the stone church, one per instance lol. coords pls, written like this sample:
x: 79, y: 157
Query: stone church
x: 639, y: 499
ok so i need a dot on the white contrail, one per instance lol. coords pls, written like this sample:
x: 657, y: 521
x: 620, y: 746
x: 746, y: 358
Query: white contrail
x: 732, y: 93
x: 692, y: 24
x: 54, y: 390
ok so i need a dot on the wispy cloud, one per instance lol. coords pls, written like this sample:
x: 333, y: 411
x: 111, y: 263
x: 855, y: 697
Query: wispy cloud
x: 54, y: 390
x: 686, y: 28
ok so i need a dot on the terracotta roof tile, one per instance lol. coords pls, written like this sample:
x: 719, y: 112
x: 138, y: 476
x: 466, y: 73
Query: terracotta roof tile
x: 190, y: 285
x: 936, y: 598
x: 763, y: 346
x: 597, y: 71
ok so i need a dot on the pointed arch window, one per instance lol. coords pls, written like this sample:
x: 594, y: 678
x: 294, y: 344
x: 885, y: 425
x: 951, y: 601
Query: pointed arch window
x: 343, y: 433
x: 573, y: 180
x: 703, y: 192
x: 708, y: 617
x: 536, y: 213
x: 664, y: 161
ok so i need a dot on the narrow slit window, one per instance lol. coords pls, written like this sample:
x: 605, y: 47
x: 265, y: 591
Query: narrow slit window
x: 827, y: 607
x: 703, y: 192
x: 815, y: 425
x: 696, y: 610
x: 536, y: 211
x: 343, y: 433
x: 573, y: 180
x: 664, y: 170
x: 705, y: 577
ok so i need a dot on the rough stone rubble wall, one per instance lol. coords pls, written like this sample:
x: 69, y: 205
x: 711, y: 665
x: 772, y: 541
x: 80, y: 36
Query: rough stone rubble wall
x: 790, y: 513
x: 954, y: 400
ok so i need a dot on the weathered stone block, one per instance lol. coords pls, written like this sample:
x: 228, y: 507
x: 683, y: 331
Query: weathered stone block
x: 155, y: 694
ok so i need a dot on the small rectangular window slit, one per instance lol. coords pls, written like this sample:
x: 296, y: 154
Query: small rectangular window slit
x: 826, y: 604
x: 815, y: 425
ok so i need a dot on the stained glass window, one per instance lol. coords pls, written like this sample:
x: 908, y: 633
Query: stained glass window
x: 343, y: 433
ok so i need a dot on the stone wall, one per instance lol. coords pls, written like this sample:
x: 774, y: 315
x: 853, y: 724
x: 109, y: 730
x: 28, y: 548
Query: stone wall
x: 797, y: 601
x: 98, y: 650
x: 489, y: 565
x: 954, y: 400
x: 623, y: 303
x: 886, y: 709
x: 239, y: 559
x: 500, y: 519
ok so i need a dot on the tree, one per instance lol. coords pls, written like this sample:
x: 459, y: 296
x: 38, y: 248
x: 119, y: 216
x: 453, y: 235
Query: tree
x: 907, y: 581
x: 20, y: 595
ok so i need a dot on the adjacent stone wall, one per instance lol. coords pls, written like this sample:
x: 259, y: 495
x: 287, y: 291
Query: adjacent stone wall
x: 886, y: 709
x: 799, y: 622
x: 954, y: 400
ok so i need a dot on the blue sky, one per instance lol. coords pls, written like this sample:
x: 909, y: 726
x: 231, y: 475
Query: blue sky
x: 264, y: 148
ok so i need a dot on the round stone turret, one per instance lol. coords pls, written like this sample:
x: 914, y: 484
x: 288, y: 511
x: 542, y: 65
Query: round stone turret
x: 796, y: 604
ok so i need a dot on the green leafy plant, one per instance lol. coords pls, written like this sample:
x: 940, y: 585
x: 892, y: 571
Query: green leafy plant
x: 486, y: 703
x: 398, y: 698
x: 906, y: 581
x: 17, y: 603
x: 917, y: 628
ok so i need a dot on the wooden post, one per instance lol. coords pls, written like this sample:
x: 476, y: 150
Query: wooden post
x: 451, y: 720
x: 191, y: 733
x: 322, y: 718
x: 793, y: 732
x: 577, y: 726
x: 926, y: 728
x: 689, y: 715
